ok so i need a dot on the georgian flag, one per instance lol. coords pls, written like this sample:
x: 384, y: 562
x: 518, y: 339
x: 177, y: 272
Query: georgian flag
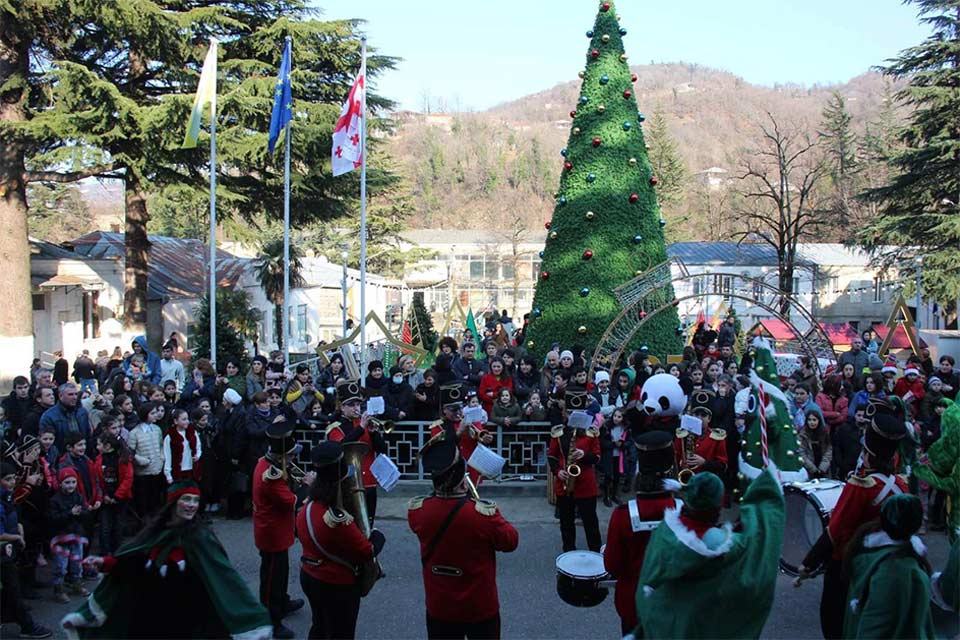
x: 347, y: 148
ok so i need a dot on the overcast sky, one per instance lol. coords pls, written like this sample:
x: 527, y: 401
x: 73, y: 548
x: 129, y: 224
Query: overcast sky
x: 478, y: 53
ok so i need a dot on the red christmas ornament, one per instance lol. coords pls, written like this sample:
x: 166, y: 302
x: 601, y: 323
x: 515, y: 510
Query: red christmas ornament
x: 596, y: 142
x: 568, y: 166
x: 605, y: 7
x: 595, y: 54
x: 587, y: 254
x: 643, y: 314
x: 634, y: 197
x: 573, y: 114
x: 633, y: 77
x: 544, y: 275
x: 627, y: 94
x: 654, y: 180
x: 546, y: 226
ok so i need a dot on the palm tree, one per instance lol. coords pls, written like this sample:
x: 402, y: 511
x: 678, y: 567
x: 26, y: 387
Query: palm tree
x: 269, y: 270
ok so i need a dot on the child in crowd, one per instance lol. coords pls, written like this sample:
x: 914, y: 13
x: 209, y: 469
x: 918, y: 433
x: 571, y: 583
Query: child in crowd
x: 11, y: 545
x: 146, y: 446
x: 76, y: 458
x: 115, y: 477
x: 506, y: 411
x: 622, y: 456
x: 49, y: 451
x: 533, y: 410
x: 816, y: 452
x: 182, y: 448
x: 475, y: 409
x: 66, y: 517
x: 929, y: 433
x: 802, y: 403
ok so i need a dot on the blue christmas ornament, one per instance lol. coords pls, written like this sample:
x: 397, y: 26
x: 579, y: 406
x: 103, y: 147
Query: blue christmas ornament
x: 640, y: 116
x: 589, y: 34
x: 563, y: 152
x: 637, y: 239
x: 591, y: 177
x: 604, y: 79
x: 562, y: 200
x: 623, y: 31
x: 584, y: 99
x: 536, y: 312
x: 541, y: 255
x: 626, y: 126
x: 584, y: 292
x: 663, y: 222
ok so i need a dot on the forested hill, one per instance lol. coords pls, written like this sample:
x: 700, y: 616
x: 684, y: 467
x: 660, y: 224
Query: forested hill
x: 500, y: 167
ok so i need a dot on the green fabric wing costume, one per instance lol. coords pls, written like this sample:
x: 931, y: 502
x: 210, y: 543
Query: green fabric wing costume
x: 942, y: 470
x: 721, y: 586
x: 889, y: 594
x: 107, y: 612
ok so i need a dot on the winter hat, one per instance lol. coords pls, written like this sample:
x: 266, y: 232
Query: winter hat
x: 261, y: 359
x: 182, y: 488
x: 374, y: 364
x: 601, y: 376
x: 566, y: 354
x: 911, y: 370
x: 8, y: 469
x: 890, y: 366
x: 704, y: 492
x: 231, y: 396
x: 67, y: 472
x: 901, y: 516
x: 933, y: 379
x: 395, y: 369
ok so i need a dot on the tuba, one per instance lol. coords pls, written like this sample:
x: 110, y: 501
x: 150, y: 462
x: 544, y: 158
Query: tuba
x: 573, y: 469
x: 355, y: 503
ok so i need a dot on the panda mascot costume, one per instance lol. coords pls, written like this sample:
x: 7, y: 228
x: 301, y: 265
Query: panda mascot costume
x: 663, y: 399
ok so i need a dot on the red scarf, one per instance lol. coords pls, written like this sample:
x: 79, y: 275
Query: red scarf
x: 176, y: 453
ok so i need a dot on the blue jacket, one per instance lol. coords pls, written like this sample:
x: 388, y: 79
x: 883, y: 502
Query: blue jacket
x: 64, y: 421
x: 152, y: 361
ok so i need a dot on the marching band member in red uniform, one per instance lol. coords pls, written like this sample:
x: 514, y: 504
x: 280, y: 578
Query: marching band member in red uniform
x: 569, y: 446
x: 466, y: 436
x: 459, y: 538
x: 710, y: 447
x: 353, y: 425
x: 273, y: 524
x: 859, y: 503
x: 333, y: 547
x: 631, y: 524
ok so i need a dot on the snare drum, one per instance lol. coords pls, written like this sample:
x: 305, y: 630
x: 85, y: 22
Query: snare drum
x: 808, y: 509
x: 580, y: 577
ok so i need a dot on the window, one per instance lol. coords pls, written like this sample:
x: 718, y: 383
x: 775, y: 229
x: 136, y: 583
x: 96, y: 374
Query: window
x: 699, y: 285
x: 39, y: 302
x: 476, y: 267
x: 831, y: 285
x: 91, y: 315
x: 535, y: 270
x: 758, y: 291
x: 508, y: 270
x: 795, y: 286
x: 491, y: 269
x: 878, y: 289
x: 723, y: 285
x: 302, y: 322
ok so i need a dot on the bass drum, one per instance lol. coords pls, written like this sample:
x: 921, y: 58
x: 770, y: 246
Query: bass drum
x: 580, y: 578
x: 808, y: 509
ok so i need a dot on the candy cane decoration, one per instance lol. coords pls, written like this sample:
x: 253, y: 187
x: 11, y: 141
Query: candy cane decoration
x: 763, y: 427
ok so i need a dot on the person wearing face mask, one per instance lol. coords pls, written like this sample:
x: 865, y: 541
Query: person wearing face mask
x: 174, y: 580
x: 397, y: 396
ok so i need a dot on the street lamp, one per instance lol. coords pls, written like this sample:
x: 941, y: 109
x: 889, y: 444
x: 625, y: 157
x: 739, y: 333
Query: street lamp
x: 344, y: 254
x: 919, y: 272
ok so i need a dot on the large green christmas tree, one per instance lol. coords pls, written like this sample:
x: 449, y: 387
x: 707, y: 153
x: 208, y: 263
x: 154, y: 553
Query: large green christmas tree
x: 606, y: 227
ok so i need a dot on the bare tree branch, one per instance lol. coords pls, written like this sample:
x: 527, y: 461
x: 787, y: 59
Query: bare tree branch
x: 71, y: 176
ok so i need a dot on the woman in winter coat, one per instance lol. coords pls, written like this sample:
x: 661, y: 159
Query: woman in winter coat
x: 816, y: 452
x: 873, y: 389
x: 256, y: 377
x: 833, y: 402
x: 526, y: 380
x: 491, y: 383
x: 426, y: 398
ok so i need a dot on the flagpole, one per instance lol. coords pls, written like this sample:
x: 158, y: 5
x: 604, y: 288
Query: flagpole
x: 363, y: 210
x: 213, y: 223
x: 286, y: 229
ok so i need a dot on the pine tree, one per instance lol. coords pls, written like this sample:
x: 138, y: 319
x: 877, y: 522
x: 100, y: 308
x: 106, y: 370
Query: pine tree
x: 666, y: 162
x: 840, y: 146
x: 920, y: 205
x: 606, y: 225
x: 421, y: 326
x: 234, y: 322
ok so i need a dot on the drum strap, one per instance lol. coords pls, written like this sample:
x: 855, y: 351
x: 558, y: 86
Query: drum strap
x: 638, y: 525
x: 889, y: 487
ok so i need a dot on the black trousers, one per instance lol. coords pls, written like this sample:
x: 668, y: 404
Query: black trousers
x: 148, y: 494
x: 833, y: 601
x: 111, y: 518
x: 370, y: 495
x: 488, y: 629
x: 333, y: 607
x: 12, y: 608
x: 274, y: 576
x: 587, y: 508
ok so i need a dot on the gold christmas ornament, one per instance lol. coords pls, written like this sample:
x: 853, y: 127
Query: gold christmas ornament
x: 605, y: 39
x: 601, y: 108
x: 588, y: 215
x: 623, y: 57
x: 553, y: 235
x: 582, y: 330
x: 581, y: 74
x: 531, y: 344
x: 576, y: 131
x: 632, y: 162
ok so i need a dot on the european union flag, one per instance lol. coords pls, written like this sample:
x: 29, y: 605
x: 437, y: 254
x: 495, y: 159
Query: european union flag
x: 282, y: 102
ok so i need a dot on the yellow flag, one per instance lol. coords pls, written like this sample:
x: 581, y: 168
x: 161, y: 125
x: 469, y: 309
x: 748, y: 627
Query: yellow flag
x: 206, y: 94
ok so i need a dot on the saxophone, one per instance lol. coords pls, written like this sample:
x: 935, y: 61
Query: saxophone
x: 573, y: 469
x: 689, y: 448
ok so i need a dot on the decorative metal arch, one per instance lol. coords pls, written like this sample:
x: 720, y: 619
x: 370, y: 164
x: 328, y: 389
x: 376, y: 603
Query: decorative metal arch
x: 648, y: 289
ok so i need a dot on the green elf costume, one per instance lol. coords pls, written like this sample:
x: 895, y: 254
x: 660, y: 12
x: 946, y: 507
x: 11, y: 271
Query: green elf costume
x: 781, y: 435
x: 889, y: 595
x: 702, y: 580
x: 941, y: 469
x: 945, y: 593
x: 174, y: 580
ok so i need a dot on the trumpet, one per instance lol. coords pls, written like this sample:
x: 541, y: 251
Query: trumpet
x: 386, y: 426
x: 296, y: 473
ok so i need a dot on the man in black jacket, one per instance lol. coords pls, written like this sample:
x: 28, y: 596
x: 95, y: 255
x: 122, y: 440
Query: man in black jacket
x: 17, y: 405
x: 43, y: 399
x: 467, y: 369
